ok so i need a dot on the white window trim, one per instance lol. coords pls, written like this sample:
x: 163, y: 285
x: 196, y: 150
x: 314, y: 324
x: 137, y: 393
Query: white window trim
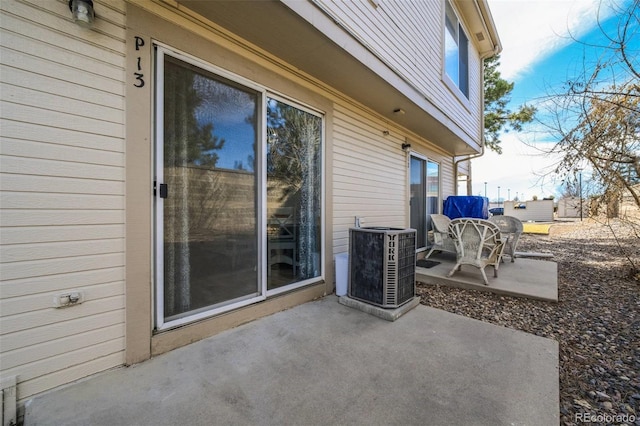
x: 455, y: 90
x: 452, y: 85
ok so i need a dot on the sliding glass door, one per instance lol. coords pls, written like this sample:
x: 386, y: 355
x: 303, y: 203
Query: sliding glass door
x: 417, y: 201
x: 238, y: 192
x: 424, y: 188
x: 207, y: 190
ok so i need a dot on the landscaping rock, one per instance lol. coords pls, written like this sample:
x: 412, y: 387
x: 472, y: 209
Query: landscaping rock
x: 596, y: 320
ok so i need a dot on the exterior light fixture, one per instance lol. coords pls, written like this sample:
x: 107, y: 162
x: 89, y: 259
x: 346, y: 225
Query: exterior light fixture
x: 398, y: 111
x: 82, y: 12
x: 405, y: 146
x: 385, y: 132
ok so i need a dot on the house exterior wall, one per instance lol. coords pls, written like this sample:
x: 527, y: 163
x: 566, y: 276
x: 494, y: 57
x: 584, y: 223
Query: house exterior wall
x: 153, y: 22
x: 62, y: 219
x: 361, y: 149
x: 77, y: 172
x: 410, y: 38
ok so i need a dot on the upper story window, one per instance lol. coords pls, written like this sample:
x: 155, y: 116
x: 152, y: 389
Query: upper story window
x: 456, y: 51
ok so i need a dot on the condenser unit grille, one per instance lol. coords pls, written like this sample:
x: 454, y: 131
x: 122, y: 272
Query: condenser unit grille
x: 382, y: 265
x: 406, y: 268
x: 366, y: 276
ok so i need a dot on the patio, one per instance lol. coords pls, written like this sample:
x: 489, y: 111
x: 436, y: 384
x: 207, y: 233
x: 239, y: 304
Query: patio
x: 323, y: 363
x: 531, y: 278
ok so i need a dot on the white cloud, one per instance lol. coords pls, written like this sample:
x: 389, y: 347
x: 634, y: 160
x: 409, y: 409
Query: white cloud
x: 531, y: 30
x: 521, y: 168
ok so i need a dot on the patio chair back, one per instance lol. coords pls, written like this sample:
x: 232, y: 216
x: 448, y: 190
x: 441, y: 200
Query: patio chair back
x: 477, y: 243
x: 442, y: 241
x: 511, y: 229
x: 440, y: 223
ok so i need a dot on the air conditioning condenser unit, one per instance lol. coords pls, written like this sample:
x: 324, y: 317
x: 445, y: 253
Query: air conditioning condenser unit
x: 382, y: 265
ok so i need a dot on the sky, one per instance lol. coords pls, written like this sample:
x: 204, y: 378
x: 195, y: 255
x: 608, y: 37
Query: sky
x: 538, y: 54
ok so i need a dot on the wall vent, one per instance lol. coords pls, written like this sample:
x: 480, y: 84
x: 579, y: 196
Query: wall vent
x: 480, y: 36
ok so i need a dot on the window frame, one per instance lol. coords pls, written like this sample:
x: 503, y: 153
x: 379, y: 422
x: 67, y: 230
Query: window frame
x: 461, y: 87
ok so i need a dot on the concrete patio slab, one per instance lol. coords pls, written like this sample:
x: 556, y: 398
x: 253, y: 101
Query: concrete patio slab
x: 531, y: 278
x: 323, y: 363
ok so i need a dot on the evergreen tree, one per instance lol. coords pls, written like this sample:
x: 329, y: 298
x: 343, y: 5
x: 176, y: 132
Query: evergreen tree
x: 497, y: 117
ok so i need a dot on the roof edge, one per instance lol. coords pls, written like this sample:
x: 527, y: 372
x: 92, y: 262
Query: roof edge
x: 487, y: 17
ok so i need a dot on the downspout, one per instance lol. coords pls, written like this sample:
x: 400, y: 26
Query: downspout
x: 495, y: 51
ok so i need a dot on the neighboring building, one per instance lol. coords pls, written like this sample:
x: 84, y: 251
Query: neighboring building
x: 184, y: 167
x: 569, y: 207
x: 533, y: 210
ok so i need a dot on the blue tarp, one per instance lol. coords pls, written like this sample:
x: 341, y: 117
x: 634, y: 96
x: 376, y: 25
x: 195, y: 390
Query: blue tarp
x: 466, y: 206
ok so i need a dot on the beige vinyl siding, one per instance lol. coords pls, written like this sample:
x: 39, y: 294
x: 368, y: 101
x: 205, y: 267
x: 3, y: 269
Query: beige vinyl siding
x: 63, y: 171
x: 408, y: 35
x: 447, y: 185
x: 369, y: 175
x: 370, y: 172
x: 61, y: 192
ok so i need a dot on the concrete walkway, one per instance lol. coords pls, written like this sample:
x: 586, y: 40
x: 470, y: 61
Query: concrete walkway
x: 323, y: 363
x: 530, y: 278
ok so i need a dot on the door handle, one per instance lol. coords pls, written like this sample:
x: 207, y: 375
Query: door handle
x: 164, y: 190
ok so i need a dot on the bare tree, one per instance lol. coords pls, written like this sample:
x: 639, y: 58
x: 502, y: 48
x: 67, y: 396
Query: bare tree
x: 595, y: 117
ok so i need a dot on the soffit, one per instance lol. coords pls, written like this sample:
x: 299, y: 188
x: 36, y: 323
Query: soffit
x: 337, y: 60
x: 479, y: 22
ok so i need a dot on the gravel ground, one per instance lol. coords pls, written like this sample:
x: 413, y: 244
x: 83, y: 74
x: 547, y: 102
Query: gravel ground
x: 596, y: 320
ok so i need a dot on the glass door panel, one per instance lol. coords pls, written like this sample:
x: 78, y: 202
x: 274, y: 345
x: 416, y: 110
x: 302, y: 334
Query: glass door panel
x: 433, y: 190
x: 207, y: 214
x: 294, y: 194
x: 418, y: 212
